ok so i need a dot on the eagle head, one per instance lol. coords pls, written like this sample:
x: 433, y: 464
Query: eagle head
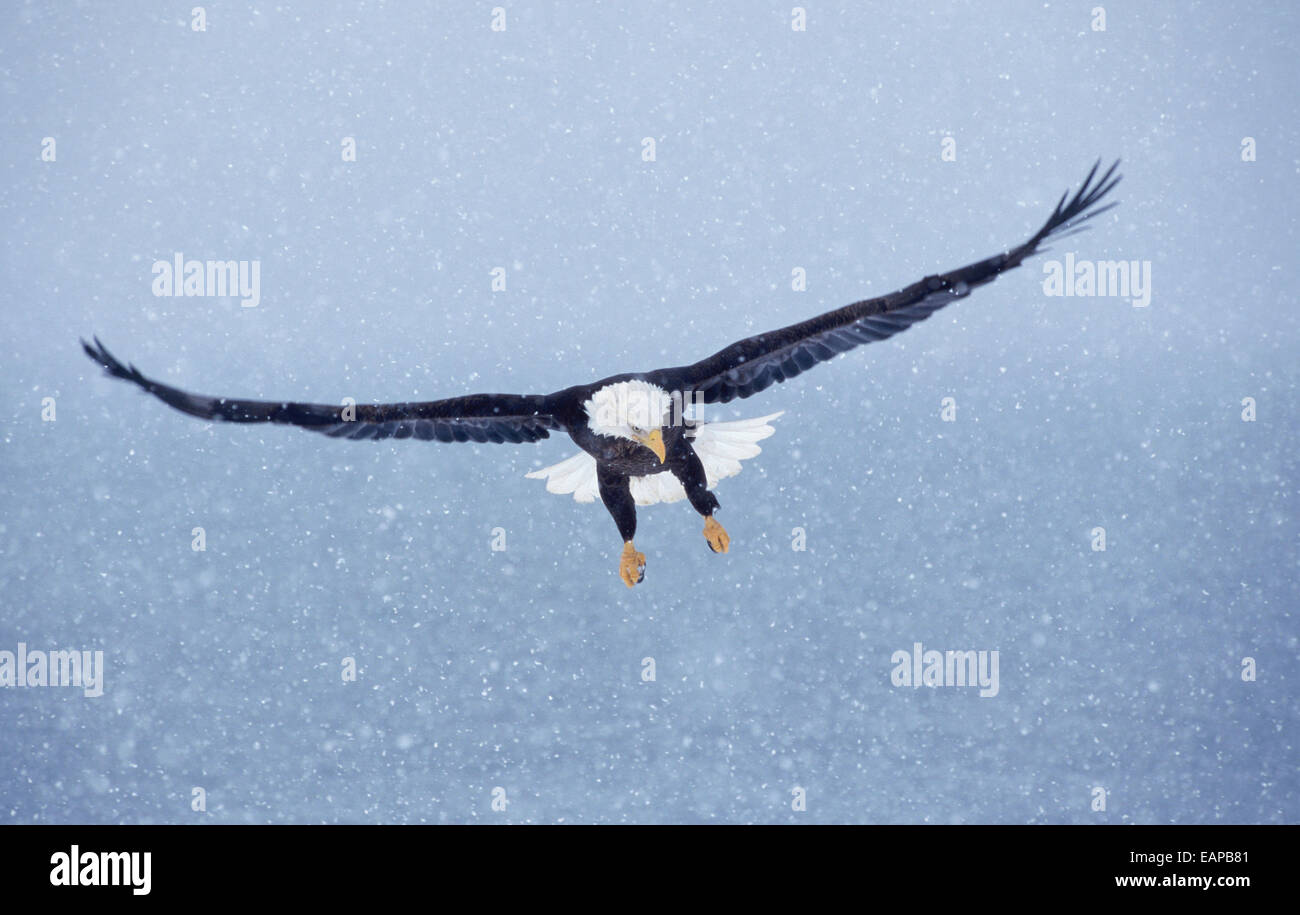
x: 634, y: 410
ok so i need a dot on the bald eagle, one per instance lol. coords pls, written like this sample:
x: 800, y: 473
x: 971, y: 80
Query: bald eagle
x: 638, y: 446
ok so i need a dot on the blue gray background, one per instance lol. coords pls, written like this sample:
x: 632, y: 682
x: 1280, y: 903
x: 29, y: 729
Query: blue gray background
x: 521, y: 669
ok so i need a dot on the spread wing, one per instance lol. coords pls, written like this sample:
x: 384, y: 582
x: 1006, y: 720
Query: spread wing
x: 475, y: 418
x: 753, y: 364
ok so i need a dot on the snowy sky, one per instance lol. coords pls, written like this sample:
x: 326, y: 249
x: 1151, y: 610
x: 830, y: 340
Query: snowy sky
x: 875, y: 146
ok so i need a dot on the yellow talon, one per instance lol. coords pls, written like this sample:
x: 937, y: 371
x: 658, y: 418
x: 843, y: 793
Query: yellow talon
x: 631, y: 567
x: 716, y: 535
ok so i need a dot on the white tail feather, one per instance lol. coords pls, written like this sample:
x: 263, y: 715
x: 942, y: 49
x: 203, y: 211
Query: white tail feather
x: 720, y: 446
x: 575, y: 474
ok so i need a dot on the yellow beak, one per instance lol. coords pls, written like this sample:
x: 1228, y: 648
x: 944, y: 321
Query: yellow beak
x: 655, y: 442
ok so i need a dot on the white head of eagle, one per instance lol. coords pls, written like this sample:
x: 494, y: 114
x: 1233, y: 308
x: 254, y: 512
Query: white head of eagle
x: 634, y: 410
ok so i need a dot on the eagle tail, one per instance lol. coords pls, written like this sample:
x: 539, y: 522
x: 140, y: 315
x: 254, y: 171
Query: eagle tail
x: 720, y: 446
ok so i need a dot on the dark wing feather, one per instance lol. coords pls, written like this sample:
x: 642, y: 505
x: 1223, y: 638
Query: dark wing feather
x: 476, y: 418
x: 751, y: 365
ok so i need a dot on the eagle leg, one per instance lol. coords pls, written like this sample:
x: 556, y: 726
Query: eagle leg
x: 689, y: 470
x: 631, y: 566
x: 716, y: 535
x: 617, y: 496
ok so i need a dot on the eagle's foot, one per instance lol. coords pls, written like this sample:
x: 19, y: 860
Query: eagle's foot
x: 716, y: 536
x: 631, y: 566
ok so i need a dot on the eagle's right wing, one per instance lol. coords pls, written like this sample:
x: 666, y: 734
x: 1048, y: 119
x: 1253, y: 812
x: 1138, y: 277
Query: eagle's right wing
x: 475, y: 418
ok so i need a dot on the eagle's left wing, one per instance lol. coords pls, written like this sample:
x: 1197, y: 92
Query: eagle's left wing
x: 755, y: 363
x: 475, y: 418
